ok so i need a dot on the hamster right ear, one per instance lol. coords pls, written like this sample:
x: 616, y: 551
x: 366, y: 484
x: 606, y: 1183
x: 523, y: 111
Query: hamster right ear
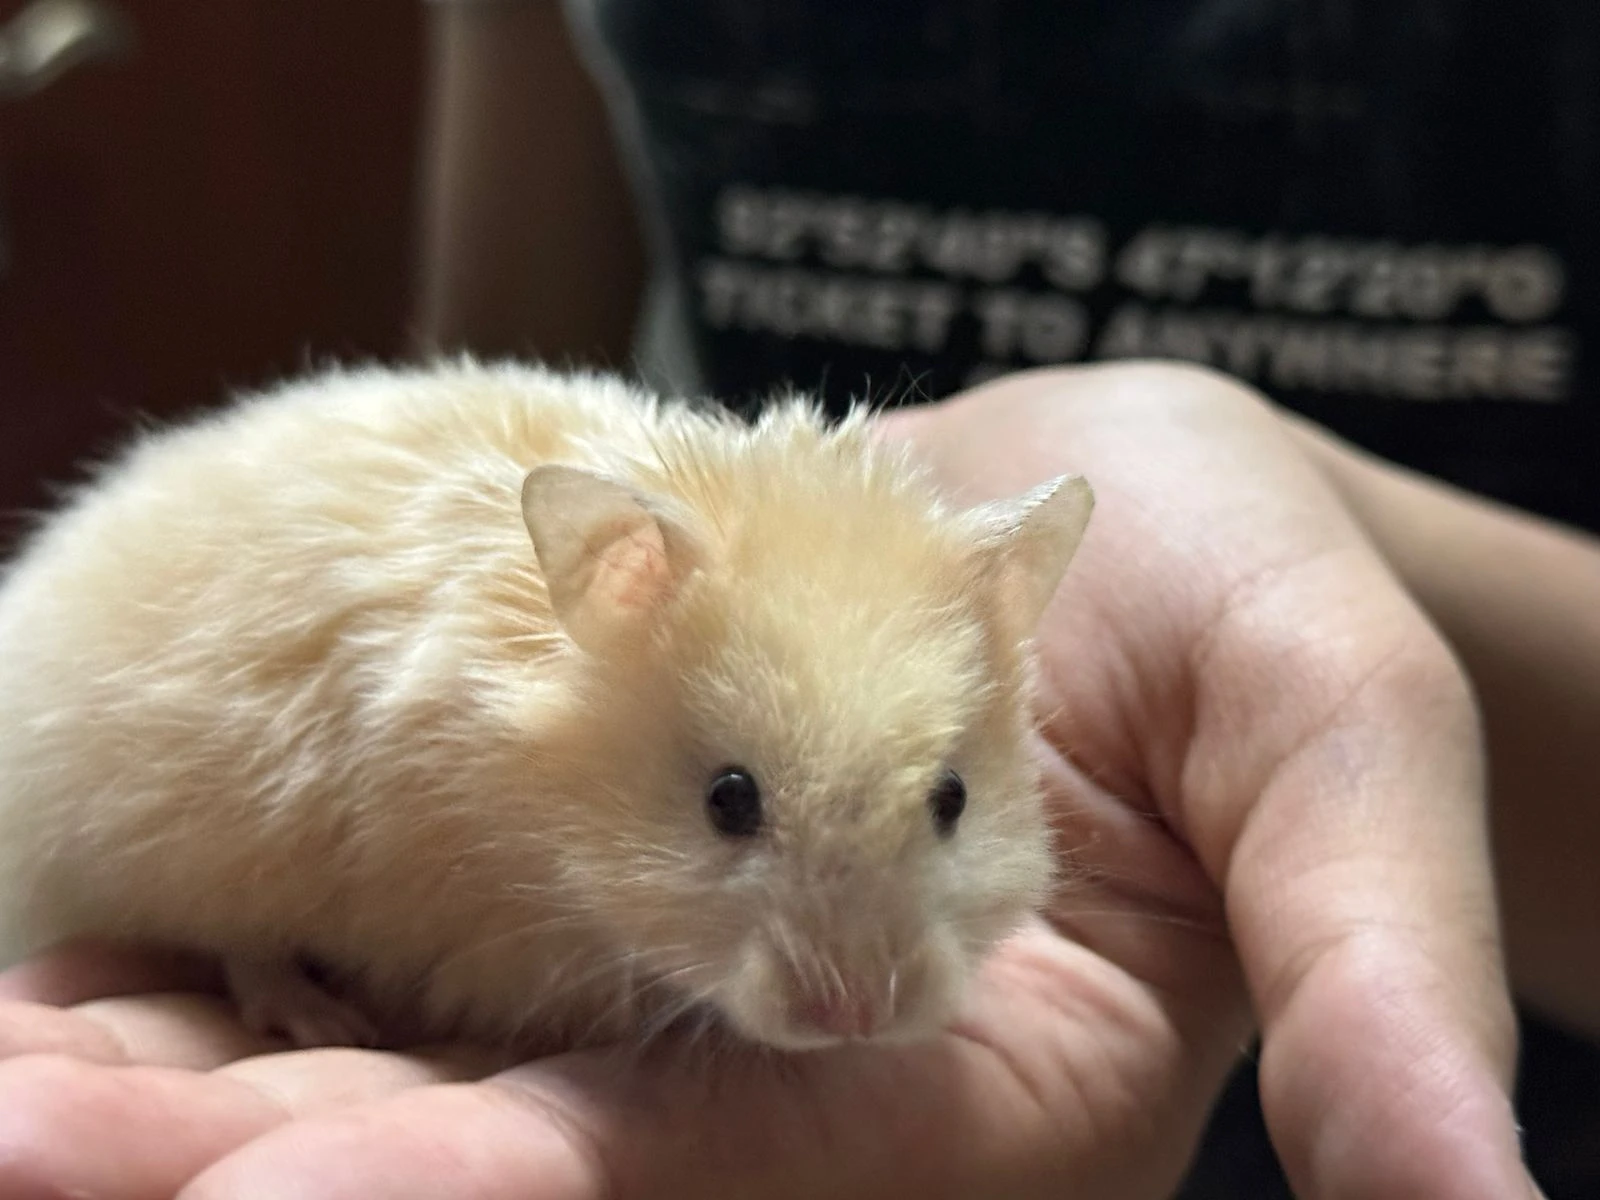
x: 1032, y: 540
x: 610, y: 557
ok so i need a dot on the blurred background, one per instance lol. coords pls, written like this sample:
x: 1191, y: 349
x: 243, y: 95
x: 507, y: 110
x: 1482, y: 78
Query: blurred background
x: 193, y: 197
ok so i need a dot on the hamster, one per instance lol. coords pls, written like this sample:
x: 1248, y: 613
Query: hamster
x: 531, y: 706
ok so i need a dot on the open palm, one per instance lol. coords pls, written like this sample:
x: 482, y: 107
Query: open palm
x: 1265, y: 775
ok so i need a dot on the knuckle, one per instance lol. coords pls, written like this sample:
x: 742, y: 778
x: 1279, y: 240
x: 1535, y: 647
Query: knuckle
x: 1172, y: 379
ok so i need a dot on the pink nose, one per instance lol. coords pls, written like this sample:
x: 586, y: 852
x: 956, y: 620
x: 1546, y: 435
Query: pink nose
x: 847, y: 1014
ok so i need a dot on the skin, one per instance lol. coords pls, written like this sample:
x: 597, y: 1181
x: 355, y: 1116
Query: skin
x: 1516, y: 597
x: 1265, y: 769
x: 528, y: 240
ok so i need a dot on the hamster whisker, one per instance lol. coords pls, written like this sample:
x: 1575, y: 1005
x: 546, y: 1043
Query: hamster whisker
x: 790, y: 951
x: 694, y: 1017
x: 625, y: 965
x: 1078, y: 873
x: 835, y: 980
x: 630, y: 991
x: 1059, y: 915
x: 680, y: 1000
x: 546, y: 924
x: 650, y: 855
x: 698, y: 1035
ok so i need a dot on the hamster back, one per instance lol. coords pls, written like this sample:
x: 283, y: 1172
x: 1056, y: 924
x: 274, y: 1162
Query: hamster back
x: 533, y: 705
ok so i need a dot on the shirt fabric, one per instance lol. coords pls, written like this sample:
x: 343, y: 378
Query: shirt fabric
x: 1383, y: 215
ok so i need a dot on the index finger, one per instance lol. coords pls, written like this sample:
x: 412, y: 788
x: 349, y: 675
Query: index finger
x: 1349, y: 830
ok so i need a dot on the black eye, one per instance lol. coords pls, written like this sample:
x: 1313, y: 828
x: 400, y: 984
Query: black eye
x: 734, y: 803
x: 947, y: 802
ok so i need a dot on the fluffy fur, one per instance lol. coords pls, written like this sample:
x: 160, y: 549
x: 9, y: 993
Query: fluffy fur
x: 290, y: 679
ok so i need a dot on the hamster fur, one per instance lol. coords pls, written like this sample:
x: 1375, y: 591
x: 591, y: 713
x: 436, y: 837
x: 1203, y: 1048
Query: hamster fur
x: 424, y: 673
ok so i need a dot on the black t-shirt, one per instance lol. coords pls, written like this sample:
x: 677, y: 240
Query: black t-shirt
x: 1383, y: 214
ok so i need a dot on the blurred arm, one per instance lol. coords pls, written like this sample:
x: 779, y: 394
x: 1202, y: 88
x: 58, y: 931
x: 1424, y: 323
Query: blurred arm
x: 529, y: 242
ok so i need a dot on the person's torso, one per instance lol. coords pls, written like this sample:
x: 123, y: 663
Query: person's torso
x: 1383, y: 215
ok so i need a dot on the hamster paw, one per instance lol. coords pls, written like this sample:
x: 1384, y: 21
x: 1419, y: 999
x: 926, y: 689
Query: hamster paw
x: 277, y: 999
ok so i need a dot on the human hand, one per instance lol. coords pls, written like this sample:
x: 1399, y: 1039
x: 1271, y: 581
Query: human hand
x: 119, y: 1080
x: 1228, y: 661
x: 1231, y: 662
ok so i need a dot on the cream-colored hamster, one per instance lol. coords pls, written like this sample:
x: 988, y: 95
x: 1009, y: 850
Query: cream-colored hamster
x: 532, y: 706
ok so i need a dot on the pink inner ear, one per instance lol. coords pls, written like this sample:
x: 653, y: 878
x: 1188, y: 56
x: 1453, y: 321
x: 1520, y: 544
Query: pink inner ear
x: 632, y: 571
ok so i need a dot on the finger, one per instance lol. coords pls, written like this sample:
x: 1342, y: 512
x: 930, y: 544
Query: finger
x: 180, y: 1030
x: 88, y: 970
x: 464, y: 1141
x: 44, y: 1029
x: 1132, y: 893
x: 563, y: 1132
x: 1359, y: 889
x: 314, y: 1081
x: 1052, y: 1087
x: 184, y: 1030
x: 69, y: 1127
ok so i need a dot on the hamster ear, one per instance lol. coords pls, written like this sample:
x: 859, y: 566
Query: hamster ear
x: 610, y: 558
x: 1033, y: 539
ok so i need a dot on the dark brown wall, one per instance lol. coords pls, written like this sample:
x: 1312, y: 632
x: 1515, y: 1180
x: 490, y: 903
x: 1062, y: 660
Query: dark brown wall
x: 230, y: 203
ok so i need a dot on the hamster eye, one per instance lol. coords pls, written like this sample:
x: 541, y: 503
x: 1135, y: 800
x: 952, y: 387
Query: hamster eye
x: 947, y: 801
x: 734, y: 803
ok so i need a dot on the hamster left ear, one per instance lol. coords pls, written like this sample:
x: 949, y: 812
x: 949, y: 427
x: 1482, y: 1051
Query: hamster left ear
x: 610, y: 556
x: 1035, y: 537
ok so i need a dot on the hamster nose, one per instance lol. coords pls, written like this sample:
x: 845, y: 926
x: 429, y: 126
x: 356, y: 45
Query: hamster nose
x: 848, y: 1013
